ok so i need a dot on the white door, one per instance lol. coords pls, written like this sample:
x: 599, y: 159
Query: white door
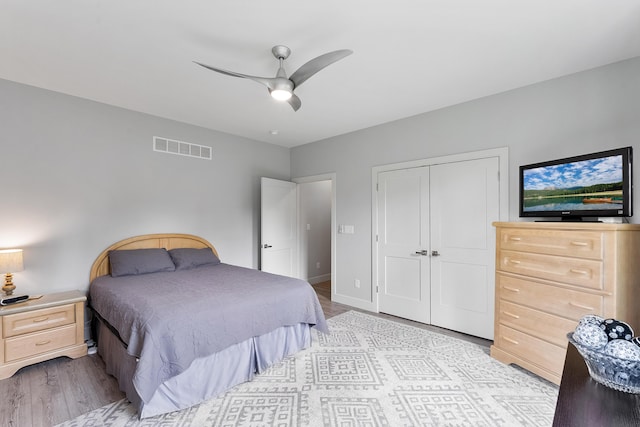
x: 436, y: 244
x: 278, y: 227
x: 464, y: 203
x: 403, y: 243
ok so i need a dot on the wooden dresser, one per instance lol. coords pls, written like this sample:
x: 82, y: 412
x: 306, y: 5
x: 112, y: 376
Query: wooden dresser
x: 549, y: 275
x: 41, y: 329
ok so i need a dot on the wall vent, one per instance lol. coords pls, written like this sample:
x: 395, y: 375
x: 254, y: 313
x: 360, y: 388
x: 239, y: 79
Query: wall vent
x: 181, y: 148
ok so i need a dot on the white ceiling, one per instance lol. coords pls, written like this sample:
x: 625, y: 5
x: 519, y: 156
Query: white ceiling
x: 410, y: 56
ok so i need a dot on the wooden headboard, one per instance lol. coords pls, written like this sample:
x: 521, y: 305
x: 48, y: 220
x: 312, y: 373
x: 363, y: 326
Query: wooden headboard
x: 101, y: 265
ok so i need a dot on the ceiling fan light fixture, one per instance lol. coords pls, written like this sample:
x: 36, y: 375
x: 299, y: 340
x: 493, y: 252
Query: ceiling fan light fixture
x: 281, y: 87
x: 281, y: 94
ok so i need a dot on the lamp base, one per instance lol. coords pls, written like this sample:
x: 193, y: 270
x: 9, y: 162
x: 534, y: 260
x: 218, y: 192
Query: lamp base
x: 8, y: 287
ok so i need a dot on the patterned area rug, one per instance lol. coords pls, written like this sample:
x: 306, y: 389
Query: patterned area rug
x: 368, y: 372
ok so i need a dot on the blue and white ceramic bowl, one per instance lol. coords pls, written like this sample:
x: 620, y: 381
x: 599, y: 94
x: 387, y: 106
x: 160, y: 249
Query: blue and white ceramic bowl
x: 613, y: 372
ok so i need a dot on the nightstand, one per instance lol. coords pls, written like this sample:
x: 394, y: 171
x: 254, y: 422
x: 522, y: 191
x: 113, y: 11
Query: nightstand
x: 41, y: 329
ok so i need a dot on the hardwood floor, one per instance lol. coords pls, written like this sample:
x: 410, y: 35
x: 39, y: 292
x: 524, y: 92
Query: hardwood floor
x: 58, y: 390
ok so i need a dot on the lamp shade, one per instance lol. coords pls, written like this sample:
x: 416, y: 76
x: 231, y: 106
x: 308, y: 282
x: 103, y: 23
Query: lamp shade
x: 11, y: 261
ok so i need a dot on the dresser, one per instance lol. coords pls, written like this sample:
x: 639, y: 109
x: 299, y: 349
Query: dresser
x: 41, y: 329
x: 549, y: 275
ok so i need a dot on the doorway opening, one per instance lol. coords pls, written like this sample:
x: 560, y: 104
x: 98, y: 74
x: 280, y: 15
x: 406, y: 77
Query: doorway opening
x: 316, y: 237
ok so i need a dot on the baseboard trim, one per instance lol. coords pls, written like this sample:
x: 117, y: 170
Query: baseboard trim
x: 354, y: 302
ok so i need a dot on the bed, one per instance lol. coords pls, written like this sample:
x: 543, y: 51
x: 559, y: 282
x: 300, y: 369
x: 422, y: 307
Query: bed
x: 175, y: 326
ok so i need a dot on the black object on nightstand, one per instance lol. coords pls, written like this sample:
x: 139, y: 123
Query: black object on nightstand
x: 12, y: 299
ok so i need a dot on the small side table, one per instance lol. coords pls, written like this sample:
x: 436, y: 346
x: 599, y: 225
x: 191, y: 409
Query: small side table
x: 41, y: 329
x: 582, y: 402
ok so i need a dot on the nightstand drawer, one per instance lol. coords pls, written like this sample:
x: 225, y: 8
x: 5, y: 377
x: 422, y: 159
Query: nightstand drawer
x: 39, y: 342
x: 576, y: 271
x: 582, y: 244
x: 33, y: 321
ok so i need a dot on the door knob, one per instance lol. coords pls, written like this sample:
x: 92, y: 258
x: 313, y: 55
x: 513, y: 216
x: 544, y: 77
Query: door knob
x: 267, y: 246
x: 435, y: 253
x: 423, y: 252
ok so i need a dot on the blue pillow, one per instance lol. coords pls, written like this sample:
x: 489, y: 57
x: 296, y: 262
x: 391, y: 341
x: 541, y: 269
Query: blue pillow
x: 187, y: 258
x: 130, y: 262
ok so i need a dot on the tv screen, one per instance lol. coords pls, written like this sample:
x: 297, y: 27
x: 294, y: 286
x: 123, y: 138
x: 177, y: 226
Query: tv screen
x: 586, y: 186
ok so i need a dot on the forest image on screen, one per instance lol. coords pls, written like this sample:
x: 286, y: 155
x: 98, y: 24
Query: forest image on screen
x: 582, y: 185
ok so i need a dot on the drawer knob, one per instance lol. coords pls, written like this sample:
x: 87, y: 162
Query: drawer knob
x: 511, y: 341
x: 509, y: 288
x: 39, y: 343
x: 506, y: 313
x: 515, y: 239
x: 40, y: 319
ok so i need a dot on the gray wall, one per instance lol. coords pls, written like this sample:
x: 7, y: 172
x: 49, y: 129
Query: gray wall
x: 581, y: 113
x: 77, y: 176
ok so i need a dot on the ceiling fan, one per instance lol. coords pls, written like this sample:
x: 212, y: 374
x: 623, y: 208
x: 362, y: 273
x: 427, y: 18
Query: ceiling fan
x: 281, y: 87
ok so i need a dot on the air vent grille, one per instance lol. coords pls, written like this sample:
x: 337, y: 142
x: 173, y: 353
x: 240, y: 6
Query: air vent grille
x: 181, y: 148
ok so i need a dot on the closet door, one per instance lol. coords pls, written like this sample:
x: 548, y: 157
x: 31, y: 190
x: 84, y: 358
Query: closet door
x: 403, y: 243
x: 436, y: 245
x: 464, y: 202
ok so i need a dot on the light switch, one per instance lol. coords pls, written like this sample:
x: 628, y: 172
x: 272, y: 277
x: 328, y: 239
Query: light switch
x: 345, y: 229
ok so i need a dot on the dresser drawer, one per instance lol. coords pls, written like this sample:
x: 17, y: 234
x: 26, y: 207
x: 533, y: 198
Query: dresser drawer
x: 39, y: 342
x: 33, y: 321
x: 575, y: 271
x: 551, y: 299
x: 537, y: 323
x: 579, y: 244
x: 538, y: 352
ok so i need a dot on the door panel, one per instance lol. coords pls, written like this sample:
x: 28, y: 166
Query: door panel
x: 403, y: 277
x: 278, y: 227
x: 464, y: 203
x: 457, y: 294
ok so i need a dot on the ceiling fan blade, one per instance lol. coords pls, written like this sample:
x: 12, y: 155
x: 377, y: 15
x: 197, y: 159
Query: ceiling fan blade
x: 268, y: 82
x: 316, y: 64
x: 295, y: 102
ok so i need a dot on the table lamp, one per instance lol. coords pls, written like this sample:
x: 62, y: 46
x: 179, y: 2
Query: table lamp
x: 10, y: 262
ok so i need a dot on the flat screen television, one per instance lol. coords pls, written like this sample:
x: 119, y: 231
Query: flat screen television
x: 578, y: 188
